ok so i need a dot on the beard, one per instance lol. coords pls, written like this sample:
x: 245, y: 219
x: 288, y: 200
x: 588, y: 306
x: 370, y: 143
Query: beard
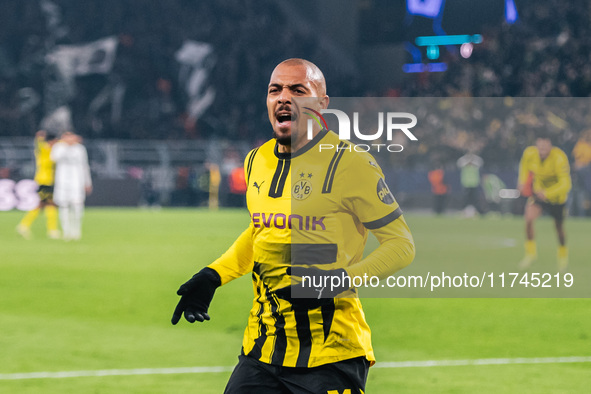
x: 284, y: 140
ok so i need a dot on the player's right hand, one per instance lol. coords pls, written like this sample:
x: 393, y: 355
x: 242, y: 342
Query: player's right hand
x: 196, y: 295
x: 308, y: 297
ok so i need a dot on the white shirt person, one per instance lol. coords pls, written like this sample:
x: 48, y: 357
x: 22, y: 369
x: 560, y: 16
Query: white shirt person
x: 72, y: 183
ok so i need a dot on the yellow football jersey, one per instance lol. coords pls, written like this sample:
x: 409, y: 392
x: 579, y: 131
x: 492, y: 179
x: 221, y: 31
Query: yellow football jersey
x: 313, y: 207
x: 551, y: 175
x: 45, y: 167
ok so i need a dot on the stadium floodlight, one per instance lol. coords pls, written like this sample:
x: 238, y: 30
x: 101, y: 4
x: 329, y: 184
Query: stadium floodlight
x: 448, y: 40
x: 424, y: 67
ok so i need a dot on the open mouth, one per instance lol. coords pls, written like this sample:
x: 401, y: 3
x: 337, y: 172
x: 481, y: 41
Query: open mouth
x: 284, y: 118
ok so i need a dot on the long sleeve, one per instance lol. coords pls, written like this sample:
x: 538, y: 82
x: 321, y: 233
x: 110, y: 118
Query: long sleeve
x: 237, y: 260
x: 524, y: 167
x: 85, y: 168
x: 396, y: 251
x: 57, y: 152
x: 563, y: 185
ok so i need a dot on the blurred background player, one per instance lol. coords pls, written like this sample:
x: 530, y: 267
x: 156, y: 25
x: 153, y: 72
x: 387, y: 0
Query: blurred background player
x: 582, y: 182
x: 439, y: 188
x: 551, y: 184
x: 469, y: 165
x: 492, y: 186
x: 72, y: 183
x: 44, y: 176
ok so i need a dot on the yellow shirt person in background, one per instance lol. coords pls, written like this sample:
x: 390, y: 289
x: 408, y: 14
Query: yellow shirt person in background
x: 551, y: 185
x: 44, y: 176
x: 582, y: 169
x: 582, y: 150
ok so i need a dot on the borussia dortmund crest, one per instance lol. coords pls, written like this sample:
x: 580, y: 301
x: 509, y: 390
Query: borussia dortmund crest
x: 302, y: 189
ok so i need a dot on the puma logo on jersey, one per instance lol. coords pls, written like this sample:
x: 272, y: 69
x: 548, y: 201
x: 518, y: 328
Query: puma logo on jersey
x: 281, y: 221
x: 258, y: 186
x: 320, y: 292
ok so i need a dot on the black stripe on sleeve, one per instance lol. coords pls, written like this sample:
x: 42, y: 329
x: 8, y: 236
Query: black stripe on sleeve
x: 304, y: 336
x: 328, y: 172
x: 278, y: 182
x: 249, y: 165
x: 383, y: 221
x: 332, y: 168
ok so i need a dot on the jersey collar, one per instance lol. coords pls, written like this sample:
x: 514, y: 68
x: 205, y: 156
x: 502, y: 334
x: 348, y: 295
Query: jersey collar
x: 302, y: 150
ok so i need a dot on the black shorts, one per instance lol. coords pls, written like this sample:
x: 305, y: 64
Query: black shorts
x: 45, y: 193
x: 557, y: 211
x: 253, y: 376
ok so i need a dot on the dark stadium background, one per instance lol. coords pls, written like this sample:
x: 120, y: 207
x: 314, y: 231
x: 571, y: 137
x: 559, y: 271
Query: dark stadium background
x: 146, y: 148
x: 93, y: 316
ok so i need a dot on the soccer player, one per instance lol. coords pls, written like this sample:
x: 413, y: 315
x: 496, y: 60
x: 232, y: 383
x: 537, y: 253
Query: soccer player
x: 438, y: 187
x: 548, y: 167
x: 470, y: 165
x: 310, y: 211
x: 72, y: 183
x: 44, y: 176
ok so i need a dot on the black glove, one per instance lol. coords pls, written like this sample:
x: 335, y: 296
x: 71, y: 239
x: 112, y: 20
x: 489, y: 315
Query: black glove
x: 196, y: 294
x: 305, y: 295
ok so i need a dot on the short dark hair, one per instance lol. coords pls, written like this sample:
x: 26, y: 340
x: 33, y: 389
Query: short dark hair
x: 544, y: 135
x: 50, y: 137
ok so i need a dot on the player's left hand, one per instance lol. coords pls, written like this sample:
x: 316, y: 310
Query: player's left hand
x: 540, y: 195
x: 329, y: 284
x: 196, y: 295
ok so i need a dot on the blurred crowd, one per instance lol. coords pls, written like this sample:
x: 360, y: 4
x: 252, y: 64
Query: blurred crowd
x: 545, y: 54
x: 247, y: 40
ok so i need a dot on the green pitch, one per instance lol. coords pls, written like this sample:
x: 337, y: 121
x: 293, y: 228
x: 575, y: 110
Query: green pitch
x: 105, y: 303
